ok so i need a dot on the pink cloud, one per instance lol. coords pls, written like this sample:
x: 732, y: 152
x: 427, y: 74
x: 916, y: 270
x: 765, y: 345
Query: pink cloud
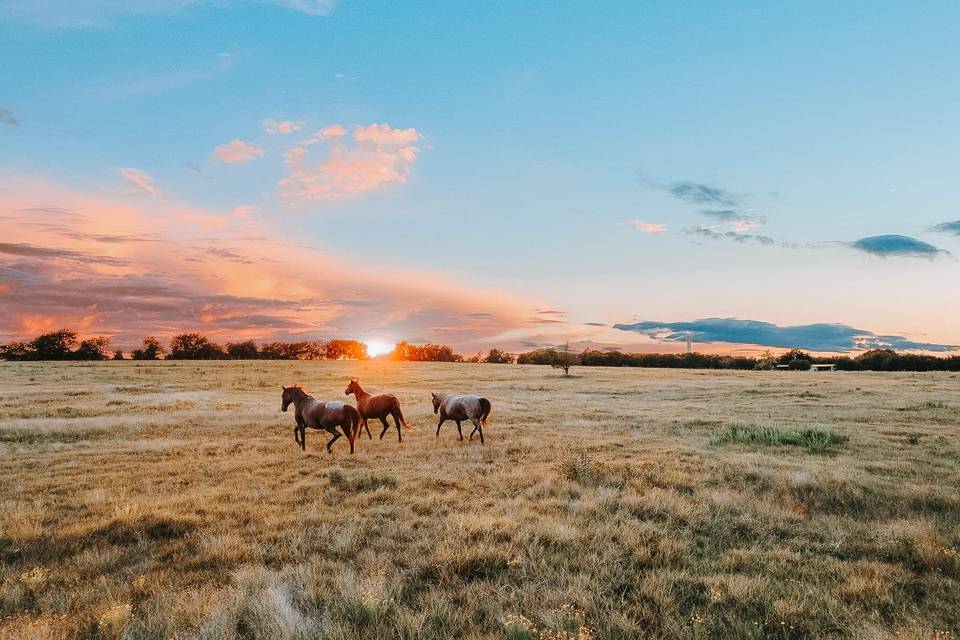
x: 380, y: 156
x: 237, y: 151
x: 648, y: 227
x: 138, y: 179
x: 109, y: 265
x: 281, y: 126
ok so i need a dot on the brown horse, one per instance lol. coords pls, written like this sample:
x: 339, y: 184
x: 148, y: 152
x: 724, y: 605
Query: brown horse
x: 310, y: 412
x: 371, y: 406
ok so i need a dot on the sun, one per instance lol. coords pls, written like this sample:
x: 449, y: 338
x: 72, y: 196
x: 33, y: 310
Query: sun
x: 378, y: 347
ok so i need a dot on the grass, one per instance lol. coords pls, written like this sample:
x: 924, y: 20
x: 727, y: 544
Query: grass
x: 168, y: 500
x: 813, y: 440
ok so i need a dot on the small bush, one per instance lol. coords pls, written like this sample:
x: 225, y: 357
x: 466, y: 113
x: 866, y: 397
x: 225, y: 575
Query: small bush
x: 813, y: 440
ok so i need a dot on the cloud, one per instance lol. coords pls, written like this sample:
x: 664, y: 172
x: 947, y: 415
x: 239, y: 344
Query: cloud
x: 130, y: 268
x: 710, y: 232
x: 737, y: 220
x: 138, y: 179
x: 697, y: 193
x: 815, y: 337
x: 7, y: 117
x: 237, y: 151
x: 65, y: 14
x: 948, y: 227
x: 895, y: 246
x: 379, y: 156
x: 648, y: 227
x: 281, y: 126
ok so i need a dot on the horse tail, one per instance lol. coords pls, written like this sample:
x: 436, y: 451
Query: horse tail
x: 353, y: 418
x: 403, y: 421
x: 485, y: 408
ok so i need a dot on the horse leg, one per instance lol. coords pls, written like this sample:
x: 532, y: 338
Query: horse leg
x: 336, y: 436
x: 396, y: 418
x: 476, y: 426
x: 348, y: 431
x: 385, y: 427
x: 296, y: 435
x: 367, y: 427
x: 459, y: 431
x: 442, y: 420
x: 480, y: 429
x: 303, y: 438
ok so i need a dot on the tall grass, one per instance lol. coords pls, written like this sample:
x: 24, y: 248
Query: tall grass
x: 813, y: 440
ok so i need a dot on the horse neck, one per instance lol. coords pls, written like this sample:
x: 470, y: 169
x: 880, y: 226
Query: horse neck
x: 360, y: 393
x: 299, y: 397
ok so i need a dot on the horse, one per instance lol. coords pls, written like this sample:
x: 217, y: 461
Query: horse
x: 310, y: 412
x: 459, y: 408
x: 371, y: 406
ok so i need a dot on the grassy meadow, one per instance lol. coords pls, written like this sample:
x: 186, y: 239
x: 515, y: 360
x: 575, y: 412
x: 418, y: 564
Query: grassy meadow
x: 169, y: 500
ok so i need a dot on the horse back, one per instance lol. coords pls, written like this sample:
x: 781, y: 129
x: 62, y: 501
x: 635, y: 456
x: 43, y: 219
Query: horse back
x: 379, y: 406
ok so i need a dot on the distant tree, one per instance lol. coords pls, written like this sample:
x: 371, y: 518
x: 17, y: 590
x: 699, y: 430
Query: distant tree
x: 194, y: 346
x: 565, y: 359
x: 425, y: 353
x: 345, y: 350
x: 242, y: 350
x: 767, y: 361
x: 498, y: 356
x: 538, y: 356
x: 800, y: 364
x: 93, y: 349
x: 794, y: 354
x: 56, y: 345
x: 118, y: 355
x: 152, y: 350
x: 17, y: 351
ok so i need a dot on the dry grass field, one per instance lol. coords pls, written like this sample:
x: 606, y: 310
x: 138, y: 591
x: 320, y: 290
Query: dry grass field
x: 168, y: 500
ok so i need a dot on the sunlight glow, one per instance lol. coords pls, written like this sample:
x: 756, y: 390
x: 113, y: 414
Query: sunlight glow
x: 378, y: 347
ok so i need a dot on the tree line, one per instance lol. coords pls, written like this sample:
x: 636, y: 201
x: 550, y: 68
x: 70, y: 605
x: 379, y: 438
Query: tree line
x: 66, y: 345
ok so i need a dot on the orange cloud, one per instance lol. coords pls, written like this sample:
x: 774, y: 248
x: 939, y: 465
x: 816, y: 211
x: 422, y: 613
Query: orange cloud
x: 237, y: 151
x: 131, y: 268
x: 380, y: 156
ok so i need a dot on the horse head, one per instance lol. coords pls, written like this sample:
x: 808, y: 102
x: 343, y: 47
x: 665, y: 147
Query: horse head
x: 436, y: 402
x: 289, y: 395
x: 353, y: 387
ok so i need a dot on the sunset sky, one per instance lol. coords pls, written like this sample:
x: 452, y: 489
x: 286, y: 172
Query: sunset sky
x: 512, y: 174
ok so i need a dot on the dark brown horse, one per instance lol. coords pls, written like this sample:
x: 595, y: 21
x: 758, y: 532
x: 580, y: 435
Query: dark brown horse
x: 310, y: 412
x: 371, y: 406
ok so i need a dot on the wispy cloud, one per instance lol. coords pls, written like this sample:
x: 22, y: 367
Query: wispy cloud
x: 895, y: 246
x: 279, y: 127
x: 816, y: 337
x: 65, y: 14
x: 237, y: 151
x: 379, y: 155
x: 713, y: 234
x: 648, y: 227
x: 697, y: 193
x: 7, y: 117
x: 738, y: 221
x: 948, y: 227
x: 138, y: 179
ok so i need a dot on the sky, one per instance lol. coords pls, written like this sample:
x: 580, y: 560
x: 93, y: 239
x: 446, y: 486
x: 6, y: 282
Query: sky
x: 503, y: 174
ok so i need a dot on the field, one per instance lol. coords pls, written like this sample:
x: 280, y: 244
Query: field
x: 168, y: 500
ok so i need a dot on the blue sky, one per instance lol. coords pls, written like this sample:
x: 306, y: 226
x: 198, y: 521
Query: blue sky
x: 544, y: 145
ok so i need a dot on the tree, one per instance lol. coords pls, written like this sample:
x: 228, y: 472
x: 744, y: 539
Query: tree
x: 538, y: 356
x: 118, y: 355
x: 800, y: 364
x: 193, y: 346
x: 16, y: 351
x: 565, y: 359
x: 152, y: 350
x: 93, y: 349
x: 345, y: 350
x: 242, y: 350
x: 794, y: 354
x: 767, y: 361
x: 498, y: 356
x: 56, y: 345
